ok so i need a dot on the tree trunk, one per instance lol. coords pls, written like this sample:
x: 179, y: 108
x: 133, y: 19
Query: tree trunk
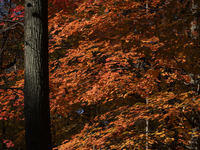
x: 195, y: 141
x: 147, y: 101
x: 36, y: 88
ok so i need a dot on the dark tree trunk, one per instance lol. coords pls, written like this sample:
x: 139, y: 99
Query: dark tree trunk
x: 36, y: 88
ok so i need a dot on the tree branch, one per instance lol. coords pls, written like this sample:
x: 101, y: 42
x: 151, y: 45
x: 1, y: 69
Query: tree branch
x: 5, y: 88
x: 20, y: 23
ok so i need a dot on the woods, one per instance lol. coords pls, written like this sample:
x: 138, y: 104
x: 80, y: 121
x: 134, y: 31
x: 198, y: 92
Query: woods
x: 106, y: 59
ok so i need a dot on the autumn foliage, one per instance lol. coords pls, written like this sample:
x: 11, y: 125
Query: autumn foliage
x: 107, y: 58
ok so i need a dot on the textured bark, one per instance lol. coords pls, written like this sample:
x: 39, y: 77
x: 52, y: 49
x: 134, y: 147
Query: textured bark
x: 36, y: 88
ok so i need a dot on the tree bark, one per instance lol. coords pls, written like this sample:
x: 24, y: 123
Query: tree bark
x: 36, y: 88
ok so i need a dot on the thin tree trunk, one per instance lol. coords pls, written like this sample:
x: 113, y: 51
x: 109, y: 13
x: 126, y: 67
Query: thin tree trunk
x: 195, y: 141
x: 147, y: 120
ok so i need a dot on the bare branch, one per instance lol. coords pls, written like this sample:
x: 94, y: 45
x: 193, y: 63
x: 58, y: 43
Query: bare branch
x: 8, y: 28
x: 5, y: 88
x: 20, y: 23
